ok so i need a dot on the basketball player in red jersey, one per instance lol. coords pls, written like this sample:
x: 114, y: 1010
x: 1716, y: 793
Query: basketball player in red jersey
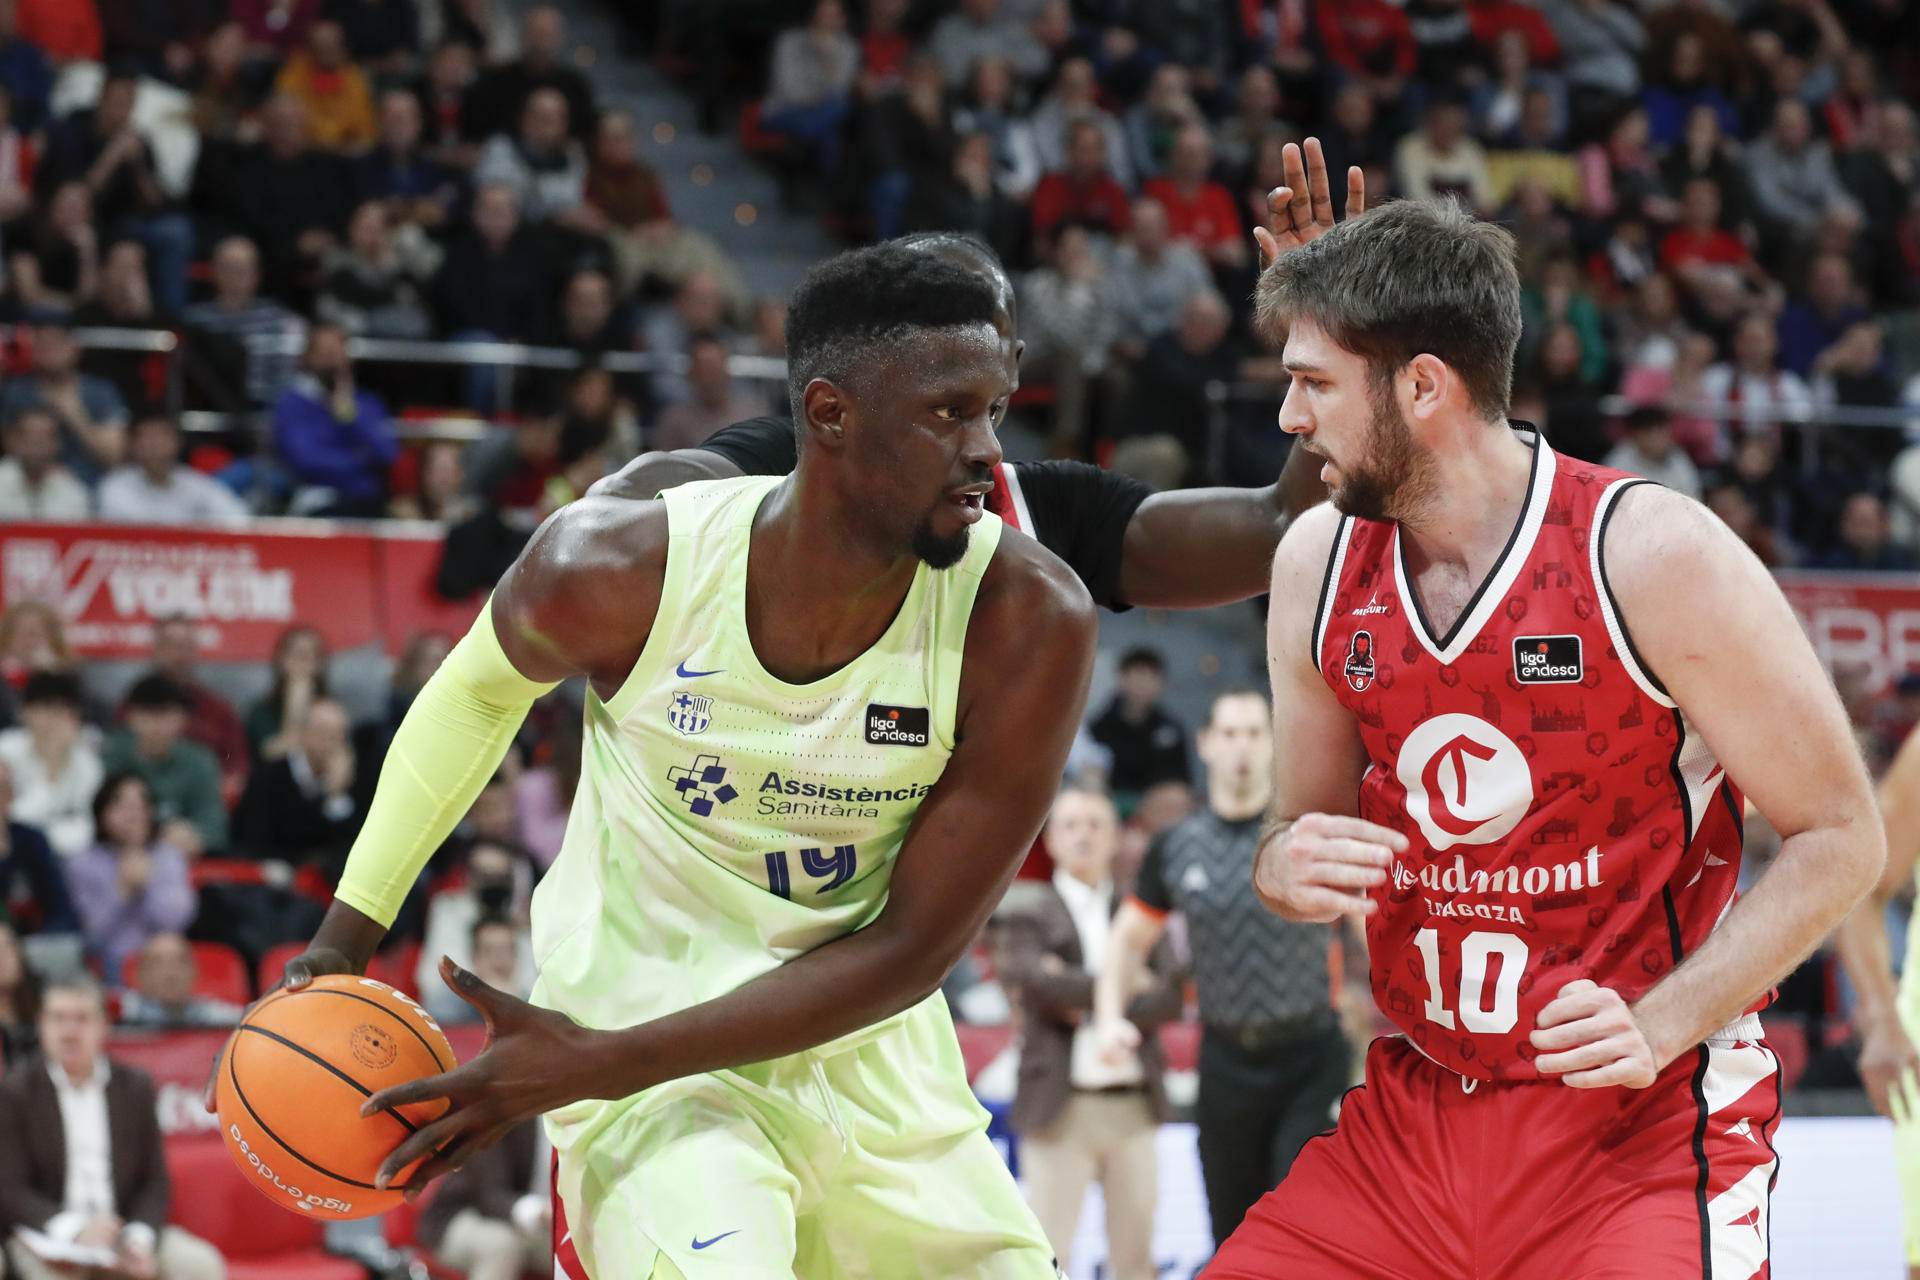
x: 1514, y: 694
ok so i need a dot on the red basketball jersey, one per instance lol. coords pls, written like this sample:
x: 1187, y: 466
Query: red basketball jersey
x: 1565, y: 820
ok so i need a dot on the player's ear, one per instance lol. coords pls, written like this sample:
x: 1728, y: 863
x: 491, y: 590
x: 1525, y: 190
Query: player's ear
x: 828, y: 411
x: 1426, y: 382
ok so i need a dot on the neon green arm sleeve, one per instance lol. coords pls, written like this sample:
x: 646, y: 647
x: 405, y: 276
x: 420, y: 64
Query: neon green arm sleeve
x: 453, y: 738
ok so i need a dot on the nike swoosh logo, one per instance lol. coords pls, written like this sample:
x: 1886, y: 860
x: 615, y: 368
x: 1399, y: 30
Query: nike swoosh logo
x: 699, y: 1244
x: 685, y: 674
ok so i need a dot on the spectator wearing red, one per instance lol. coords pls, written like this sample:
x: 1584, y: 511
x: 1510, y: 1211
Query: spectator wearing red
x: 1494, y: 18
x: 1700, y: 240
x: 274, y: 28
x: 1200, y: 211
x: 1370, y: 41
x: 1085, y: 193
x: 67, y: 30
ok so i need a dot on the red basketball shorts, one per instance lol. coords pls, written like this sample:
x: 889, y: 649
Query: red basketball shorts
x: 1426, y: 1179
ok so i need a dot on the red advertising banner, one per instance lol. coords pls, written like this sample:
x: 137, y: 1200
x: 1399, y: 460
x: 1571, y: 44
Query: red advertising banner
x: 111, y: 583
x: 1866, y: 620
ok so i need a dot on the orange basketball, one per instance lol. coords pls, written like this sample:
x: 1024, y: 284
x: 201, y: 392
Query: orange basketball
x: 290, y: 1088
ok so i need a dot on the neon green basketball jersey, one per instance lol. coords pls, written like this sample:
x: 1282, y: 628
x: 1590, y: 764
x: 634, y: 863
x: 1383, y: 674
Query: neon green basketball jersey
x: 727, y: 821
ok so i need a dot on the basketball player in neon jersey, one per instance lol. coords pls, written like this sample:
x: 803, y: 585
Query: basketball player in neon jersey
x: 818, y: 742
x: 1517, y: 701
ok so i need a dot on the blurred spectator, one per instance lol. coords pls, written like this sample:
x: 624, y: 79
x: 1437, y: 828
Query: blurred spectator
x: 1749, y: 394
x: 980, y: 30
x: 124, y: 300
x: 56, y: 769
x: 1648, y: 328
x: 1084, y: 194
x: 69, y: 30
x: 87, y: 1165
x: 33, y: 886
x: 651, y: 251
x: 162, y: 997
x: 19, y: 1001
x: 334, y: 92
x: 155, y: 487
x: 810, y: 84
x: 544, y: 168
x: 1166, y: 431
x: 101, y: 147
x: 1149, y: 746
x: 990, y: 108
x: 716, y: 401
x: 1574, y: 423
x: 436, y: 492
x: 223, y: 96
x: 1071, y: 313
x: 1865, y: 539
x: 489, y: 1220
x: 274, y: 28
x: 291, y: 197
x: 1705, y: 151
x: 376, y: 284
x: 1200, y: 211
x: 544, y: 795
x: 128, y: 884
x: 967, y: 199
x: 1499, y: 104
x: 596, y: 409
x: 1560, y: 296
x: 211, y: 719
x: 299, y: 667
x: 1440, y: 159
x: 56, y: 264
x: 32, y: 639
x: 500, y: 98
x: 498, y: 883
x: 93, y: 418
x: 382, y: 34
x: 332, y: 436
x: 450, y: 117
x: 493, y: 284
x: 591, y: 321
x: 1156, y: 120
x: 1600, y: 45
x: 1700, y: 247
x: 1084, y: 1116
x: 1448, y: 53
x: 25, y: 72
x: 264, y: 329
x: 1730, y: 503
x: 1883, y: 170
x: 1648, y: 450
x: 1681, y: 88
x: 908, y: 138
x: 1852, y: 373
x: 1154, y: 277
x: 1620, y: 175
x: 1354, y: 135
x: 482, y: 27
x: 1256, y: 114
x: 698, y: 311
x: 1532, y: 152
x: 424, y: 652
x: 415, y: 189
x: 1074, y: 97
x: 1812, y: 325
x: 18, y: 156
x: 305, y: 807
x: 34, y: 485
x: 182, y: 776
x: 1369, y: 42
x: 1791, y: 173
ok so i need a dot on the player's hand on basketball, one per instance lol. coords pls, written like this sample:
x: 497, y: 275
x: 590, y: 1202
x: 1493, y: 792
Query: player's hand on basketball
x: 1302, y: 210
x: 1886, y: 1057
x: 314, y: 962
x: 1587, y: 1035
x: 1116, y: 1038
x: 1323, y: 865
x: 534, y: 1062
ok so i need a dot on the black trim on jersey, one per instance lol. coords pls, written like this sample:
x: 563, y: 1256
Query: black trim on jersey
x: 1326, y: 588
x: 1739, y: 816
x: 1779, y: 1105
x: 758, y: 446
x: 1679, y: 781
x: 1673, y: 923
x: 1613, y: 602
x: 1443, y: 643
x: 1700, y: 1160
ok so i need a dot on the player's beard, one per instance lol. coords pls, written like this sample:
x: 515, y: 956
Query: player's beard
x: 938, y: 552
x: 1395, y: 478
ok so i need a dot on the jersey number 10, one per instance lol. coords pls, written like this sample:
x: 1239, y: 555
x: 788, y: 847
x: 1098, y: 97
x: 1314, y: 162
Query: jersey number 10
x: 835, y: 868
x: 1476, y: 949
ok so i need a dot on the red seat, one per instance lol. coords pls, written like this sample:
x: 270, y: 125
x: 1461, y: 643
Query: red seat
x: 206, y: 871
x: 1788, y: 1039
x: 980, y: 1044
x: 395, y: 966
x: 214, y: 1202
x: 221, y: 973
x: 1180, y: 1042
x: 274, y: 963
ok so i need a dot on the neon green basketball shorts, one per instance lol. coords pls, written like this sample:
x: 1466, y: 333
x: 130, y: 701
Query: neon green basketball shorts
x: 869, y: 1163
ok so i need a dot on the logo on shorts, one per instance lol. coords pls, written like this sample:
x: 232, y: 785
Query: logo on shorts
x: 897, y: 726
x: 1360, y: 661
x: 372, y: 1047
x: 702, y: 785
x: 690, y: 713
x: 1547, y: 659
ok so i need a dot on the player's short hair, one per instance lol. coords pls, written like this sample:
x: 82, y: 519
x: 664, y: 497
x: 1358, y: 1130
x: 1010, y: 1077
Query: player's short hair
x: 1409, y: 278
x: 859, y: 305
x: 954, y: 243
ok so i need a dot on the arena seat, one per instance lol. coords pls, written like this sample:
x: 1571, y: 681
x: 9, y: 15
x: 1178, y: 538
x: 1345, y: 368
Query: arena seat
x: 395, y: 966
x: 213, y: 1201
x: 980, y: 1044
x: 1788, y: 1038
x: 221, y: 973
x: 274, y: 963
x: 1180, y: 1042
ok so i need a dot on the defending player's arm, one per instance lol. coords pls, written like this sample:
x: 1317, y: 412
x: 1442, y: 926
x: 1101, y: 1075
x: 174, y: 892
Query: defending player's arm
x: 1317, y: 860
x: 1019, y: 704
x: 1711, y: 625
x: 1886, y: 1053
x: 755, y: 447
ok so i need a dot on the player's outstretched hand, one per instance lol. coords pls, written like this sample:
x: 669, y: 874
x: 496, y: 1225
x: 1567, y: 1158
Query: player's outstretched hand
x: 1302, y: 210
x: 1886, y: 1057
x: 314, y: 962
x: 1587, y: 1035
x: 1322, y: 866
x: 534, y: 1062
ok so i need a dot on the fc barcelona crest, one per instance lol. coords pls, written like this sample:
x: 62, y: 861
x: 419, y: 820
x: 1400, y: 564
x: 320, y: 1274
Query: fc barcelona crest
x: 690, y: 713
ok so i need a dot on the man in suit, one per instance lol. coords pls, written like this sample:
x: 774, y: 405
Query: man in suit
x: 80, y: 1157
x: 492, y: 1217
x: 1082, y: 1117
